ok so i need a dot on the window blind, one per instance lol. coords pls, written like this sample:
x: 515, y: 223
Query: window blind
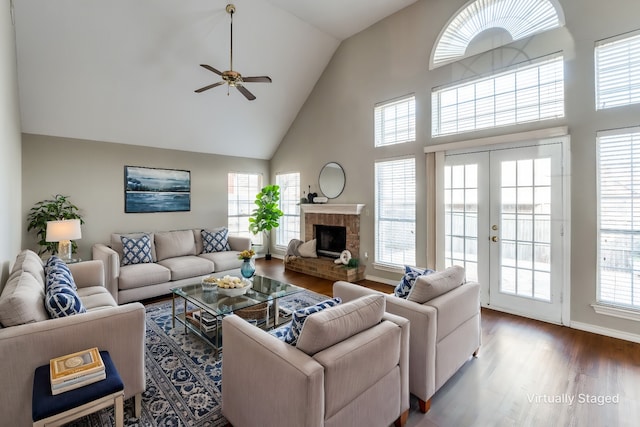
x: 241, y: 192
x: 289, y: 227
x: 528, y: 93
x: 395, y: 121
x: 395, y: 212
x: 619, y: 217
x: 617, y: 68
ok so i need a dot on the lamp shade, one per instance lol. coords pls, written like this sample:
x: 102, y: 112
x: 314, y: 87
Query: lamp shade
x: 66, y: 229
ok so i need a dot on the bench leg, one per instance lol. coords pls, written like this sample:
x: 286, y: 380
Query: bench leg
x: 137, y: 405
x: 119, y: 411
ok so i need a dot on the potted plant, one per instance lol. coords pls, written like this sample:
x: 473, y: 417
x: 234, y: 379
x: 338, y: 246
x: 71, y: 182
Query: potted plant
x: 51, y: 210
x: 266, y: 215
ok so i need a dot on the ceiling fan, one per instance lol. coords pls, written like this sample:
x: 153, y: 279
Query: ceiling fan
x: 230, y: 77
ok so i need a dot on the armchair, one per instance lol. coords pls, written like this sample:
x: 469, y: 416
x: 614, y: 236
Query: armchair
x: 348, y: 368
x: 445, y: 332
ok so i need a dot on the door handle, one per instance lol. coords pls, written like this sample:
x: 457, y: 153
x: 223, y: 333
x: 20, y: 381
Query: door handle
x: 494, y: 238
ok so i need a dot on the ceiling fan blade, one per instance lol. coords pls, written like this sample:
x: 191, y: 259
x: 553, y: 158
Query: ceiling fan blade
x: 210, y: 68
x: 243, y: 90
x: 259, y: 79
x: 202, y: 89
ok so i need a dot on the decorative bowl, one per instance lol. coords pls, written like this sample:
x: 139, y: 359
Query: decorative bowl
x: 233, y: 292
x: 209, y: 283
x: 233, y: 286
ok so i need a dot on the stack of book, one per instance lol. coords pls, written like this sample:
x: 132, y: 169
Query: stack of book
x: 76, y: 370
x: 206, y: 321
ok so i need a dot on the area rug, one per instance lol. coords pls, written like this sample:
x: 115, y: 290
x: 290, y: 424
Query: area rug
x: 184, y: 378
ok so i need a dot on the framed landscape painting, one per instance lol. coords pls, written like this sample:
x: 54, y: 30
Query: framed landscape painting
x: 156, y: 190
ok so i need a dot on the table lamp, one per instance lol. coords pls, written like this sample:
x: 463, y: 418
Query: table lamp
x: 63, y: 232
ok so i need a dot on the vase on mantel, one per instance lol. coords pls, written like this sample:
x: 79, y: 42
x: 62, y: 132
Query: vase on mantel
x: 248, y: 268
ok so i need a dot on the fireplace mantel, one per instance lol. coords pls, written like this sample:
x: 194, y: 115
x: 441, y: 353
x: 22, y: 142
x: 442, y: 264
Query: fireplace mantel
x: 332, y: 208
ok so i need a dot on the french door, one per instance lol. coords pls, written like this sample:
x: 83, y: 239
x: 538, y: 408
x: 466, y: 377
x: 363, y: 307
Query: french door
x: 503, y: 216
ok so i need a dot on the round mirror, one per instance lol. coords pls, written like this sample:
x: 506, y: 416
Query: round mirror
x: 331, y: 180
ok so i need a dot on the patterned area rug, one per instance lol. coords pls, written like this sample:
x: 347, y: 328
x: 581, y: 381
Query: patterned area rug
x: 184, y: 380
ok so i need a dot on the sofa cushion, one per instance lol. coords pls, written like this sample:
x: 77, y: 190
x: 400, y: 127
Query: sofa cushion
x: 96, y: 298
x: 22, y: 300
x: 138, y: 275
x: 430, y: 286
x: 329, y: 327
x: 136, y: 250
x: 171, y: 244
x: 300, y: 316
x: 215, y: 240
x: 29, y: 261
x: 116, y: 243
x: 406, y: 283
x: 223, y: 261
x: 184, y: 267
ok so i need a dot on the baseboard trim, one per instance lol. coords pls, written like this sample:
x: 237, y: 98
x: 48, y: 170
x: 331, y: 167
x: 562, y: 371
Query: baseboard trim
x: 613, y: 333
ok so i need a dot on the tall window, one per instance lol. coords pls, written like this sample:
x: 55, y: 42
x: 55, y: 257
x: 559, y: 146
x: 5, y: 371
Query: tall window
x: 289, y: 227
x: 242, y: 190
x: 619, y: 217
x: 617, y: 63
x: 395, y: 212
x: 524, y: 94
x: 395, y: 121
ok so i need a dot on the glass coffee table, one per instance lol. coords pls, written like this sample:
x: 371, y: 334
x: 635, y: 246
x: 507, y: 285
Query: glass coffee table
x: 203, y: 310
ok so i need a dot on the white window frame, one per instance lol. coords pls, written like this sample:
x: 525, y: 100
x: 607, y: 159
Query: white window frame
x: 617, y: 71
x: 241, y: 203
x: 618, y: 154
x: 395, y: 213
x: 395, y: 121
x: 289, y: 204
x: 525, y: 93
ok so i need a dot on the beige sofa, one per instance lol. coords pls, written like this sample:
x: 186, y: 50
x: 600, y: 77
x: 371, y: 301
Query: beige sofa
x: 178, y: 259
x: 348, y: 368
x: 445, y: 332
x: 23, y: 347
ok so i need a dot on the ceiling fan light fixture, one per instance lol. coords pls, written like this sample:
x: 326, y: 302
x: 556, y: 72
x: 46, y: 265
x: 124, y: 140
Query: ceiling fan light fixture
x: 231, y: 77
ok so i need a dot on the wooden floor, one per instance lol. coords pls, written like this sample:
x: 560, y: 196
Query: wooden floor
x: 528, y: 373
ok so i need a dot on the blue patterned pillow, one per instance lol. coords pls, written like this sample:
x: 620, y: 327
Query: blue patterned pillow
x: 136, y: 251
x: 281, y: 332
x: 215, y: 240
x: 300, y: 315
x: 61, y: 298
x: 56, y: 271
x: 410, y: 275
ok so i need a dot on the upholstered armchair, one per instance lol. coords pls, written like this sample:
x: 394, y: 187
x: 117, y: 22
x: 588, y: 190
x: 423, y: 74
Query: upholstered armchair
x: 349, y: 367
x: 445, y: 329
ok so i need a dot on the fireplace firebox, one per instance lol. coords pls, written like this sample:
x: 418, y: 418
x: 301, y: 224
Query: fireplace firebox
x: 330, y: 240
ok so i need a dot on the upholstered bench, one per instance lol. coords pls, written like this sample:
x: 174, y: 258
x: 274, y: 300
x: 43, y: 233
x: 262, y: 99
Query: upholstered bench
x: 50, y: 410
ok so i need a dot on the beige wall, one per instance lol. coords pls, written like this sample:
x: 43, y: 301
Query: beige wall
x: 10, y: 140
x: 92, y: 175
x: 391, y: 59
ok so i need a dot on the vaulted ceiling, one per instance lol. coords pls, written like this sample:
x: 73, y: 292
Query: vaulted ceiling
x: 125, y: 71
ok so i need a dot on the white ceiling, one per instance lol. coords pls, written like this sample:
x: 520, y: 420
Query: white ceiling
x: 125, y: 71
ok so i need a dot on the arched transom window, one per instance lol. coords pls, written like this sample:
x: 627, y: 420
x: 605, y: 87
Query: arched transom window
x: 518, y: 18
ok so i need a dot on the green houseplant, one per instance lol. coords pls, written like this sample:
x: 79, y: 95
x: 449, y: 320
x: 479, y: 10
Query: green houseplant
x: 51, y: 210
x: 267, y: 213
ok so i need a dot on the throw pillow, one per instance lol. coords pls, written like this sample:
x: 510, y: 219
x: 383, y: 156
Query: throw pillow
x: 410, y: 275
x: 215, y: 240
x: 136, y: 250
x: 57, y: 271
x: 299, y: 316
x: 61, y: 301
x: 281, y: 332
x: 308, y: 249
x: 428, y: 287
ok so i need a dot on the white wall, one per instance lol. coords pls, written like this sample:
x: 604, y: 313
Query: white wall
x: 10, y: 140
x: 92, y: 175
x: 391, y: 59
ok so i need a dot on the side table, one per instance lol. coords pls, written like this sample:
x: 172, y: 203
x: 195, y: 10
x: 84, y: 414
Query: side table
x: 49, y: 410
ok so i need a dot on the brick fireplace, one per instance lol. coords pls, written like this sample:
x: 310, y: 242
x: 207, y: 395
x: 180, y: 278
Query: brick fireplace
x: 337, y: 215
